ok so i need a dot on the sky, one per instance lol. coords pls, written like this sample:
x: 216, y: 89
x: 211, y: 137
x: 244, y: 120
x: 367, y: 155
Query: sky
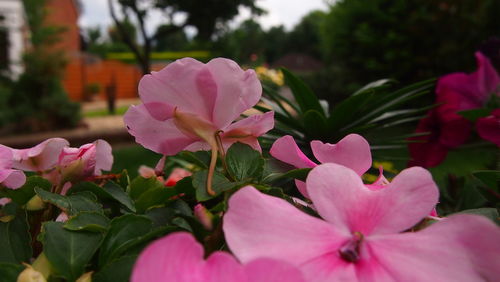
x: 285, y: 12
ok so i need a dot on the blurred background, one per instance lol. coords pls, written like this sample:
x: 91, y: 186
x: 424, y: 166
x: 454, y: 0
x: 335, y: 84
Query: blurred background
x: 70, y: 68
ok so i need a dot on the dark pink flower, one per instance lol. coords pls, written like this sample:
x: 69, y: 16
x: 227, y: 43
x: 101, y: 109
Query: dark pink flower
x: 489, y: 127
x: 179, y: 257
x: 362, y: 236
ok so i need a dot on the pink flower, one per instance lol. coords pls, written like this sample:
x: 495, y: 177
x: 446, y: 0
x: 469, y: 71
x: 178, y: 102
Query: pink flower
x: 10, y: 178
x: 362, y: 236
x: 178, y: 257
x: 176, y: 175
x: 191, y: 106
x: 187, y: 103
x: 42, y: 157
x: 88, y: 160
x: 489, y: 127
x: 352, y: 151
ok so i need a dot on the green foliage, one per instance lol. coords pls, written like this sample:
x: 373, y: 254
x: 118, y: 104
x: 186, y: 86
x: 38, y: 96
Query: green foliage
x: 69, y: 251
x: 15, y: 240
x: 406, y: 40
x: 377, y: 111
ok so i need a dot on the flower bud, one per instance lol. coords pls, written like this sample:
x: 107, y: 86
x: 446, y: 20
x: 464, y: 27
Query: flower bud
x: 204, y: 216
x: 35, y: 204
x: 30, y: 275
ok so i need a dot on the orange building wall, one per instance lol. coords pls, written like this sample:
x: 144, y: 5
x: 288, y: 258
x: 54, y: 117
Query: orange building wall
x: 64, y: 13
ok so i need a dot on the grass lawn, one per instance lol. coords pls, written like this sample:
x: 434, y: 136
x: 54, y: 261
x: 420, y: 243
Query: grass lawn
x: 131, y: 158
x: 104, y: 112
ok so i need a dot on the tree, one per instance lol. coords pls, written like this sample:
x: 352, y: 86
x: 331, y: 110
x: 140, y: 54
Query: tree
x: 306, y: 35
x: 206, y: 18
x: 408, y: 40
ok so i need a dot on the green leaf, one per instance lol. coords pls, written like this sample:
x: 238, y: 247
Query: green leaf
x: 116, y: 192
x: 200, y: 158
x: 473, y: 115
x: 58, y: 200
x: 154, y: 197
x: 89, y: 221
x: 72, y: 204
x: 124, y: 179
x: 160, y: 216
x: 140, y: 185
x: 185, y: 186
x: 124, y: 232
x: 315, y: 125
x: 304, y: 96
x: 220, y: 184
x: 244, y: 163
x: 117, y: 271
x: 374, y: 86
x: 490, y: 213
x: 15, y: 240
x: 69, y: 251
x: 10, y: 271
x: 110, y: 191
x: 299, y: 174
x: 24, y: 193
x: 487, y: 183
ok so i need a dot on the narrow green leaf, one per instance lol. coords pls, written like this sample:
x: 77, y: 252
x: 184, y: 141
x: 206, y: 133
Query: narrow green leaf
x: 315, y: 125
x: 15, y: 240
x: 299, y: 174
x: 244, y: 163
x: 123, y: 231
x: 89, y: 221
x: 304, y: 96
x: 69, y: 251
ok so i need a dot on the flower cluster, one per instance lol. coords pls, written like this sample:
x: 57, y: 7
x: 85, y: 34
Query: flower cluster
x: 448, y: 129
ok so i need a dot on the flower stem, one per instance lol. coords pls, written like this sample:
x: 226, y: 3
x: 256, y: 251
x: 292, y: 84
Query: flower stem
x: 211, y: 170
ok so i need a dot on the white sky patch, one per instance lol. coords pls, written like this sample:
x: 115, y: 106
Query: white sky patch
x: 279, y: 12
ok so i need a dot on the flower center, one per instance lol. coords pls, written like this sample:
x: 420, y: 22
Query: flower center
x: 350, y: 250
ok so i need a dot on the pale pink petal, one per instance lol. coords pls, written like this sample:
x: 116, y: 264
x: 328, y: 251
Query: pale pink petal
x: 286, y: 150
x: 6, y: 157
x: 237, y: 90
x: 341, y: 198
x: 258, y: 225
x: 269, y: 270
x: 176, y: 257
x: 255, y: 125
x: 301, y: 186
x: 4, y: 201
x: 62, y: 217
x: 103, y: 157
x: 458, y: 248
x: 185, y: 83
x: 247, y: 130
x: 42, y: 157
x: 12, y: 178
x: 146, y: 172
x: 353, y: 151
x: 162, y: 137
x: 380, y: 182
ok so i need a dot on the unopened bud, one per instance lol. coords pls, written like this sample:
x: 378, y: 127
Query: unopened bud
x: 86, y: 277
x: 204, y: 216
x: 35, y: 204
x: 30, y: 275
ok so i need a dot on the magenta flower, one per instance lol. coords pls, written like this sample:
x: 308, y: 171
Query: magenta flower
x: 352, y: 151
x: 455, y: 92
x: 88, y: 160
x: 489, y: 127
x: 10, y: 178
x: 191, y: 106
x: 42, y: 157
x: 362, y: 236
x: 179, y: 257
